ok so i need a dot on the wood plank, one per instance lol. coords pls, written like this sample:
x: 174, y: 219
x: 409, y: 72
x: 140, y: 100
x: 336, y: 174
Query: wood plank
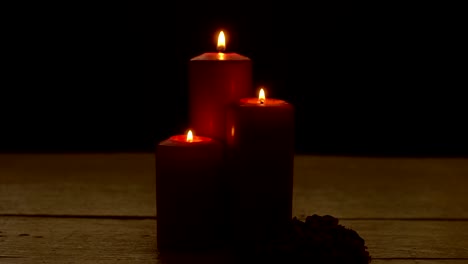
x: 359, y: 187
x: 78, y: 184
x: 413, y: 239
x: 65, y: 240
x: 124, y: 184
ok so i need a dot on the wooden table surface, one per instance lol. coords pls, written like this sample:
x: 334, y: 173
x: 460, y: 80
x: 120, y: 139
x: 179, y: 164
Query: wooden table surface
x: 100, y: 208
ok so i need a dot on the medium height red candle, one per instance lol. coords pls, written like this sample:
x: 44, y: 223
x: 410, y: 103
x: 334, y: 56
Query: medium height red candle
x: 187, y: 192
x: 260, y: 142
x: 216, y: 80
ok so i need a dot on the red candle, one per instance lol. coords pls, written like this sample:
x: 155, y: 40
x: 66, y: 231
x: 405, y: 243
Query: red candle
x: 187, y: 191
x: 216, y: 80
x: 260, y: 143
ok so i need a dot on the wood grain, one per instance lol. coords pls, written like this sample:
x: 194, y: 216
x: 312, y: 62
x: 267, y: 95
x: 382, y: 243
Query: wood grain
x: 358, y: 187
x: 124, y: 184
x: 56, y: 240
x: 413, y: 239
x: 78, y: 184
x: 68, y: 240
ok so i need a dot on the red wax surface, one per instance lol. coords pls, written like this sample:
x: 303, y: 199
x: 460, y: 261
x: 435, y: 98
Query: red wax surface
x: 268, y: 102
x: 260, y: 141
x: 183, y: 139
x: 188, y: 192
x: 219, y: 56
x: 216, y: 80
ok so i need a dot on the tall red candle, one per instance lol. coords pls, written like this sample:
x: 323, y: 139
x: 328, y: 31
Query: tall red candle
x: 187, y: 192
x: 216, y: 80
x: 260, y: 143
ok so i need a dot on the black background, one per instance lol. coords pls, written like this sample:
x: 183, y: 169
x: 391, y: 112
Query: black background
x: 367, y: 79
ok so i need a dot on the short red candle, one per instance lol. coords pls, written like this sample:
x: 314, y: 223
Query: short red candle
x: 187, y: 192
x: 216, y: 80
x: 260, y: 143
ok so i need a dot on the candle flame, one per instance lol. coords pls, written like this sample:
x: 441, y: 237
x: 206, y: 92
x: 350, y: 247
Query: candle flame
x: 261, y: 96
x: 221, y: 42
x: 189, y: 136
